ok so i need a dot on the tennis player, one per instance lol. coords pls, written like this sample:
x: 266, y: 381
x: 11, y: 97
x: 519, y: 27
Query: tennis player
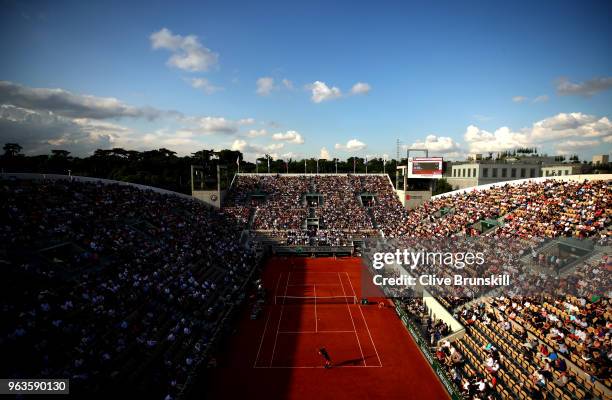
x: 323, y: 352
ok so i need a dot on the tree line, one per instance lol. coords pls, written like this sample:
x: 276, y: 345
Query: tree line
x: 163, y: 168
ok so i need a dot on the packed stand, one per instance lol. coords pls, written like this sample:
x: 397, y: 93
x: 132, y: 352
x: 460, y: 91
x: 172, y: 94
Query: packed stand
x: 110, y: 285
x: 341, y: 209
x: 531, y: 209
x: 282, y: 206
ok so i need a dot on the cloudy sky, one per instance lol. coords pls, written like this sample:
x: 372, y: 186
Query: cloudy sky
x: 307, y: 79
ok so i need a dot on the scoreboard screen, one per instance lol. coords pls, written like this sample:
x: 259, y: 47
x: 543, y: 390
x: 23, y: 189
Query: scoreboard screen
x: 425, y: 168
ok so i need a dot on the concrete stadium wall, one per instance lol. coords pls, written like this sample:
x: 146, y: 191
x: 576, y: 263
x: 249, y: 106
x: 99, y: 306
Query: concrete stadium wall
x: 412, y: 199
x: 438, y: 311
x: 210, y: 197
x: 87, y: 179
x: 461, y: 183
x: 565, y: 178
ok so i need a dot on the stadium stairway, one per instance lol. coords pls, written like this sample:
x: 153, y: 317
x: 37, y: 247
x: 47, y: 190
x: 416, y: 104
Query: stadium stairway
x: 371, y: 214
x: 593, y: 259
x: 252, y: 213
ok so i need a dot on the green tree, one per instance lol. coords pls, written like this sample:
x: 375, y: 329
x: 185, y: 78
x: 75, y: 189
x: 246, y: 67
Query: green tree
x: 60, y: 154
x: 12, y: 149
x: 441, y: 186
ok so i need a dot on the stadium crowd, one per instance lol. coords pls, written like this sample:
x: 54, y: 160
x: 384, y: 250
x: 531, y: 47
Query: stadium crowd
x: 130, y: 284
x: 283, y: 207
x: 528, y: 210
x: 110, y: 284
x: 341, y: 209
x: 539, y: 348
x: 286, y: 208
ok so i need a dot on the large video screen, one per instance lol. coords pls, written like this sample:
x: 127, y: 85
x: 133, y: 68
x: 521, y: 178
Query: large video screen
x: 425, y: 167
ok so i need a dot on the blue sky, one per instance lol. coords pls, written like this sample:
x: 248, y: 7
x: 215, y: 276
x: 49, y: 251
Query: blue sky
x: 456, y: 77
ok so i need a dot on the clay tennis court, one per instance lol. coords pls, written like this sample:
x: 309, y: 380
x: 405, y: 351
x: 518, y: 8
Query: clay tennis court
x: 313, y: 303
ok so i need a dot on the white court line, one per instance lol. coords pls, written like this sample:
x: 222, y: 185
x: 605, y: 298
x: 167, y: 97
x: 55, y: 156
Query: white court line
x: 298, y: 332
x: 339, y: 366
x: 308, y: 284
x: 314, y: 287
x: 364, y: 320
x: 353, y: 322
x: 263, y: 334
x: 314, y: 272
x: 280, y: 318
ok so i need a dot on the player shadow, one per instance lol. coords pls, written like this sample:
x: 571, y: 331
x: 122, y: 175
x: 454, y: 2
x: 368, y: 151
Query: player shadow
x: 353, y: 361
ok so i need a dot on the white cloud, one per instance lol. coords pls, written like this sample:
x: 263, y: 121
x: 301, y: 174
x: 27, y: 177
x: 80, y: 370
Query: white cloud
x: 324, y: 154
x: 288, y: 84
x: 239, y: 144
x: 40, y: 131
x: 216, y: 125
x: 204, y: 85
x: 541, y: 99
x: 481, y: 141
x: 573, y: 127
x: 257, y: 133
x: 289, y: 136
x: 575, y: 146
x: 211, y: 125
x: 351, y: 145
x: 41, y: 119
x: 252, y: 150
x: 292, y: 155
x: 360, y: 88
x: 321, y: 92
x: 265, y: 85
x: 564, y: 125
x: 181, y: 141
x: 519, y: 99
x: 439, y: 145
x: 68, y: 104
x: 187, y: 52
x: 98, y: 128
x: 586, y: 88
x: 246, y: 121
